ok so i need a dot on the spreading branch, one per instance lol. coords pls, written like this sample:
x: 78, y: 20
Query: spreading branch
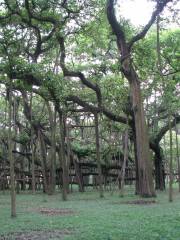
x: 116, y: 27
x: 159, y: 8
x: 164, y: 129
x: 77, y: 74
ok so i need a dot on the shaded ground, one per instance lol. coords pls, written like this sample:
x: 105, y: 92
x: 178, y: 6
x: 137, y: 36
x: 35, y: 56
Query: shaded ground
x: 37, y: 235
x: 55, y: 211
x: 140, y: 202
x: 87, y: 217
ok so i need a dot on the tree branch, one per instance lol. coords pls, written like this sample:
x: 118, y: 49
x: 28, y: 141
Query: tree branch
x: 117, y: 29
x: 159, y: 8
x: 164, y: 129
x: 95, y: 109
x: 78, y: 74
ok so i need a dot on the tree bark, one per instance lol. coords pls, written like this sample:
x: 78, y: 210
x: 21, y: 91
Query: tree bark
x: 159, y: 168
x: 144, y: 166
x: 32, y: 151
x: 10, y: 155
x: 124, y: 163
x: 63, y: 159
x: 52, y: 157
x: 177, y: 154
x: 170, y: 162
x: 79, y: 176
x: 43, y: 161
x: 98, y: 156
x: 22, y: 165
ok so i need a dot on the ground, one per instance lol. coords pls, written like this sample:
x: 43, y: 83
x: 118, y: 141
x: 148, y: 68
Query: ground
x: 87, y: 217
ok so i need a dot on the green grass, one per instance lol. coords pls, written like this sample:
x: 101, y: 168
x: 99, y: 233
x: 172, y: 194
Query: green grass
x: 94, y: 218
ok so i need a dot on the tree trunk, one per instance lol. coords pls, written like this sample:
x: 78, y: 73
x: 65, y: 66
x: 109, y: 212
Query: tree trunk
x: 52, y: 156
x: 144, y: 166
x: 137, y: 191
x: 170, y: 162
x: 32, y: 152
x: 67, y: 155
x: 63, y: 159
x: 124, y: 163
x: 79, y: 176
x: 159, y: 169
x: 98, y: 156
x: 146, y: 188
x: 177, y: 154
x: 43, y: 161
x: 10, y: 156
x: 33, y: 168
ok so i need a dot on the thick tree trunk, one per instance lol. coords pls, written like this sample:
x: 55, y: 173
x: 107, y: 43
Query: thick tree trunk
x: 137, y: 191
x: 144, y: 166
x: 159, y: 169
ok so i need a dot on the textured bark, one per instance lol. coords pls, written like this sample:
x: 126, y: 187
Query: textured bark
x: 177, y: 153
x: 22, y: 165
x: 154, y: 144
x: 32, y: 152
x: 67, y: 150
x: 136, y: 159
x: 63, y: 162
x: 159, y: 168
x: 52, y: 157
x: 98, y: 156
x: 43, y: 156
x: 144, y: 166
x: 170, y: 162
x: 79, y: 177
x: 124, y: 162
x: 10, y: 156
x: 33, y: 168
x: 159, y: 165
x: 137, y: 191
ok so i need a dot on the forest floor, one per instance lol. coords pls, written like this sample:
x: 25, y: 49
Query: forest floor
x: 87, y: 217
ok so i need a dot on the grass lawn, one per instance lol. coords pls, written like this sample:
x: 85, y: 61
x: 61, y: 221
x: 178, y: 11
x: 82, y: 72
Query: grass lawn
x: 86, y: 217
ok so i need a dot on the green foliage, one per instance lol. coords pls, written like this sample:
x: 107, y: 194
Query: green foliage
x: 115, y: 91
x: 83, y: 150
x: 23, y: 137
x: 90, y: 47
x: 170, y: 42
x: 57, y: 85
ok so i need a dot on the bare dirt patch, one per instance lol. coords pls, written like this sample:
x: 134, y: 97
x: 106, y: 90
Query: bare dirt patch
x: 55, y: 211
x: 5, y: 203
x: 37, y: 235
x: 138, y: 202
x: 87, y: 199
